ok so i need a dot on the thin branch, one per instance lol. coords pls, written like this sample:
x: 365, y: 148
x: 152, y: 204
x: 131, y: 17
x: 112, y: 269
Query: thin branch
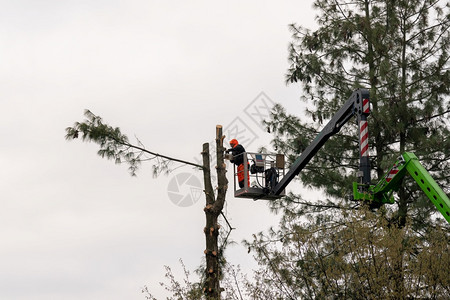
x: 162, y: 156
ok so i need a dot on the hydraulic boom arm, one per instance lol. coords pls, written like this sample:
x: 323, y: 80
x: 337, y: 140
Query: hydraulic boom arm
x: 357, y: 104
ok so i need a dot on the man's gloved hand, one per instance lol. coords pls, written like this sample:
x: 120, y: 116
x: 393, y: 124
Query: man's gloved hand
x: 228, y: 156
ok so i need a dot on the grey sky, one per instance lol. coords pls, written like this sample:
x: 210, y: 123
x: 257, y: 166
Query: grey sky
x: 75, y: 226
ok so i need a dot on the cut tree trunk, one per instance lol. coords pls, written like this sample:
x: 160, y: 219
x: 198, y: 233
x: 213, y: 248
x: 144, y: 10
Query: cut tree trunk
x: 213, y: 208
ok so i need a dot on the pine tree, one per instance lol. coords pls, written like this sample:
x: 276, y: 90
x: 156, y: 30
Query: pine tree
x: 355, y: 258
x: 398, y: 50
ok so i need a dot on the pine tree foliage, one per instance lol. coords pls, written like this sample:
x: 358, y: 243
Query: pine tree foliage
x: 115, y: 145
x: 326, y: 248
x: 397, y: 49
x: 358, y: 256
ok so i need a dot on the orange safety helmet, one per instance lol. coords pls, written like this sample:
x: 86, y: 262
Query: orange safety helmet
x: 233, y: 143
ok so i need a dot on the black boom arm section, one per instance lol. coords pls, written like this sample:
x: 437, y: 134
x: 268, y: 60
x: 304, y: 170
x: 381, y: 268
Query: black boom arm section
x: 357, y: 104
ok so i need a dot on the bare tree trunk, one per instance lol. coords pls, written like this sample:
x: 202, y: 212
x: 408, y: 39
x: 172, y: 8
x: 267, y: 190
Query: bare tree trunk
x: 212, y: 210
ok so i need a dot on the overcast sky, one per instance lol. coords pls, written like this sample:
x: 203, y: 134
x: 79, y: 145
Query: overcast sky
x: 75, y: 226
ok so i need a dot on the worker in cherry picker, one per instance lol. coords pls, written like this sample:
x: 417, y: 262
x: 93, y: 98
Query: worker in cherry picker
x: 237, y: 150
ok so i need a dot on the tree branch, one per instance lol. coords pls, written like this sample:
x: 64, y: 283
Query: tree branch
x: 114, y: 144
